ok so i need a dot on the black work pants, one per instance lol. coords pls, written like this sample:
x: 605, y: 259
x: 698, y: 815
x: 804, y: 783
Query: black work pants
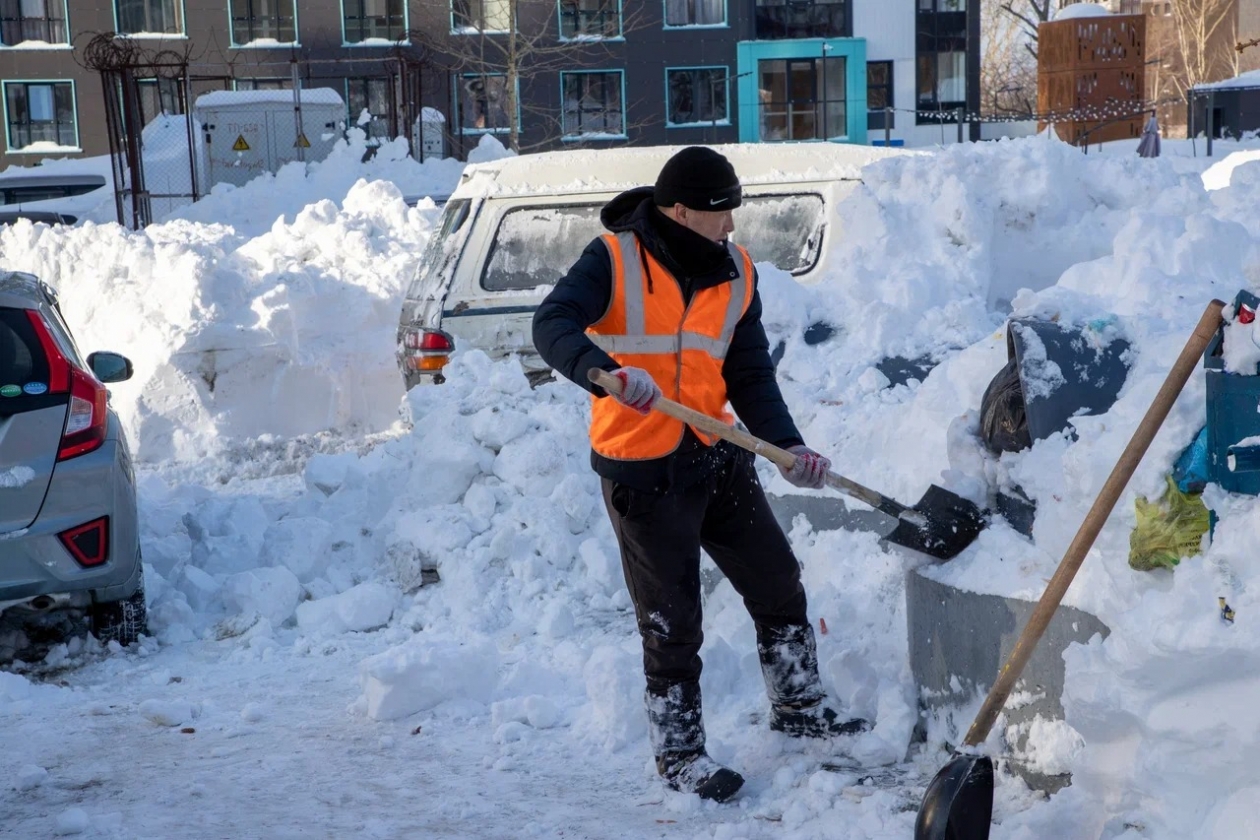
x: 661, y: 536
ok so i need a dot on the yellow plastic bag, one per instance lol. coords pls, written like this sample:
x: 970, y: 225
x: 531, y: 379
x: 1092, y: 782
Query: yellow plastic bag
x: 1168, y: 529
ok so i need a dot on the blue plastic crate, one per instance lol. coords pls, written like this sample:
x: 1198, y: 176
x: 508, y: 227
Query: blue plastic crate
x: 1233, y: 413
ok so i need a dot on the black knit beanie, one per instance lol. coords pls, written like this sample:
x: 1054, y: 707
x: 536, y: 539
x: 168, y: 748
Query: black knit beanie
x: 699, y: 178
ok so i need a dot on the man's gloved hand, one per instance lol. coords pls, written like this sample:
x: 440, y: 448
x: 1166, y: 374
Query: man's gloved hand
x: 810, y: 469
x: 638, y: 390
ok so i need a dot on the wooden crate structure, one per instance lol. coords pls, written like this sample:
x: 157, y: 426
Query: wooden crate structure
x: 1091, y: 75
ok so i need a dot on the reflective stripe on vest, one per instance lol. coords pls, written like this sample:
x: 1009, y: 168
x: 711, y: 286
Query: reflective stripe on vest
x: 636, y: 340
x: 680, y: 344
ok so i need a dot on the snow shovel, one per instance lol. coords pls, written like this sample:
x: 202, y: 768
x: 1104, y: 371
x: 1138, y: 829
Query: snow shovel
x: 958, y: 804
x: 940, y: 525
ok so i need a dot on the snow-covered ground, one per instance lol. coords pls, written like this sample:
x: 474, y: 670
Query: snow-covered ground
x: 302, y: 683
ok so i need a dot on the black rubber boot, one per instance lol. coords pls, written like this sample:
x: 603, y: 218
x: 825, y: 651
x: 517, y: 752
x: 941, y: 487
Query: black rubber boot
x: 789, y: 663
x: 697, y: 773
x: 676, y: 729
x: 815, y: 721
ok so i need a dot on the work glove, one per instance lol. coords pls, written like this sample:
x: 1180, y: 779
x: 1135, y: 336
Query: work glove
x: 810, y: 469
x: 638, y: 390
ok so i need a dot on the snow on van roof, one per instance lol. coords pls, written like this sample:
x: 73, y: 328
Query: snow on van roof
x: 228, y: 98
x: 611, y: 170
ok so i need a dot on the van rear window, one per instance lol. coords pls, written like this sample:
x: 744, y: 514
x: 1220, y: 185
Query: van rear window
x: 536, y: 246
x: 22, y: 358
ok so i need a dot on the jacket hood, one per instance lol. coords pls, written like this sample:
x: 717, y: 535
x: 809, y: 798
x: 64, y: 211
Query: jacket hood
x: 683, y: 252
x: 628, y: 211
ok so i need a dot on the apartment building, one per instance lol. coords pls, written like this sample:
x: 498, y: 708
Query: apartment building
x: 589, y: 72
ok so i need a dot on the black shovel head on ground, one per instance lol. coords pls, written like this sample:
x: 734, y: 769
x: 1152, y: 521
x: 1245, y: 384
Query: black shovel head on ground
x: 958, y: 805
x: 949, y: 524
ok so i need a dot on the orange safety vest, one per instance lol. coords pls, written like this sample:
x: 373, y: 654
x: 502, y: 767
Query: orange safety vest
x: 681, y: 345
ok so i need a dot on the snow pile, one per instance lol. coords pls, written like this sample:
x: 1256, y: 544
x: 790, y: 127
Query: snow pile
x: 308, y: 586
x: 1218, y: 175
x: 254, y: 208
x: 241, y: 333
x: 1081, y: 10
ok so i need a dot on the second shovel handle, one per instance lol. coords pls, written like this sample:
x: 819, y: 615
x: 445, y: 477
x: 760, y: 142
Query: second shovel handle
x: 1204, y: 331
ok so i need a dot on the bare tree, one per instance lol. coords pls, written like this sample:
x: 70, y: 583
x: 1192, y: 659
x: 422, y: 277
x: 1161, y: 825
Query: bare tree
x: 1008, y: 74
x: 1030, y: 14
x: 500, y: 45
x: 1205, y: 32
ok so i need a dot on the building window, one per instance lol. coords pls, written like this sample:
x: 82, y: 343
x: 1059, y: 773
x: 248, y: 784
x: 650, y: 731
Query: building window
x: 483, y: 103
x: 802, y: 99
x: 263, y: 20
x: 277, y: 83
x: 374, y: 20
x: 776, y: 19
x: 590, y: 19
x: 879, y: 95
x: 695, y: 12
x: 696, y: 96
x: 592, y: 104
x: 941, y: 60
x: 475, y: 16
x: 149, y: 17
x: 40, y: 112
x: 24, y: 21
x: 368, y: 101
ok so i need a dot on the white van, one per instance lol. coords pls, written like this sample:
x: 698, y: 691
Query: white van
x: 514, y: 226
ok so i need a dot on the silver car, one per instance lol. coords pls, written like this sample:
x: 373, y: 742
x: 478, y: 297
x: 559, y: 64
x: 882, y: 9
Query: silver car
x: 69, y: 542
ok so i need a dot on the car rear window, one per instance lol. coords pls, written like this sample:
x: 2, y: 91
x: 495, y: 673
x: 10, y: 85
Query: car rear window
x: 440, y: 248
x: 22, y: 358
x: 536, y: 246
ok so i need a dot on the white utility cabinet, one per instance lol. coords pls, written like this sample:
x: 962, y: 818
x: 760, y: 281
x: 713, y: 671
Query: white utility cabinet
x: 247, y: 132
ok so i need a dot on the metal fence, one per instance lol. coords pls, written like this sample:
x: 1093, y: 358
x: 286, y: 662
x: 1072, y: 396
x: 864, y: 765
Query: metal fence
x: 176, y: 128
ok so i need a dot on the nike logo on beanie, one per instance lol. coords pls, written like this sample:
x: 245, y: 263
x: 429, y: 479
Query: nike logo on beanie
x: 713, y: 201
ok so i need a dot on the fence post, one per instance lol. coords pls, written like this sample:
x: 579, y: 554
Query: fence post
x: 186, y: 95
x: 888, y: 118
x: 1211, y: 120
x: 959, y: 111
x: 297, y: 109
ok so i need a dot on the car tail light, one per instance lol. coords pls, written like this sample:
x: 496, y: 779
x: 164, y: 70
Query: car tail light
x: 88, y: 544
x: 87, y: 420
x: 427, y: 350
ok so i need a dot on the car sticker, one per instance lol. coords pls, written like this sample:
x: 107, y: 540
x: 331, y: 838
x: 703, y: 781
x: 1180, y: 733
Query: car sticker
x: 10, y: 391
x: 34, y: 388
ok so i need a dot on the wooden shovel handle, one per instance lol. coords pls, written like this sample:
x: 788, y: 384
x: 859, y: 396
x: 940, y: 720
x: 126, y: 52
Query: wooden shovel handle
x: 754, y: 444
x: 703, y: 422
x: 1094, y: 521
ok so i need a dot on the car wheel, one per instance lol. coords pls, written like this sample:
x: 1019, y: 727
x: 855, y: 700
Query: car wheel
x: 121, y: 621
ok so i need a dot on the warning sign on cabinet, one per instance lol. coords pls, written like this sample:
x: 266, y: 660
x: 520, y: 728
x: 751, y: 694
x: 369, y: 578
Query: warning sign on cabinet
x: 301, y: 142
x: 240, y: 145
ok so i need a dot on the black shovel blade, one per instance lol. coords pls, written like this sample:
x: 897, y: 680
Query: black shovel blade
x: 953, y: 523
x: 958, y: 804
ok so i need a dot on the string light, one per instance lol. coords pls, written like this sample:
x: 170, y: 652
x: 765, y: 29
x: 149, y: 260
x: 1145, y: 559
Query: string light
x: 1118, y: 110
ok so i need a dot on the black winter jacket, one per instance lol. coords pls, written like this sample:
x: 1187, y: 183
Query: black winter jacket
x: 581, y: 298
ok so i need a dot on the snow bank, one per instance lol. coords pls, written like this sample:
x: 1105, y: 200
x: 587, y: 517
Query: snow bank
x: 488, y: 484
x: 278, y: 327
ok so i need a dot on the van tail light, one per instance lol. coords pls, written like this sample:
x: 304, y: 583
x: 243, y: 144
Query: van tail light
x: 426, y: 350
x: 88, y: 544
x: 87, y: 420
